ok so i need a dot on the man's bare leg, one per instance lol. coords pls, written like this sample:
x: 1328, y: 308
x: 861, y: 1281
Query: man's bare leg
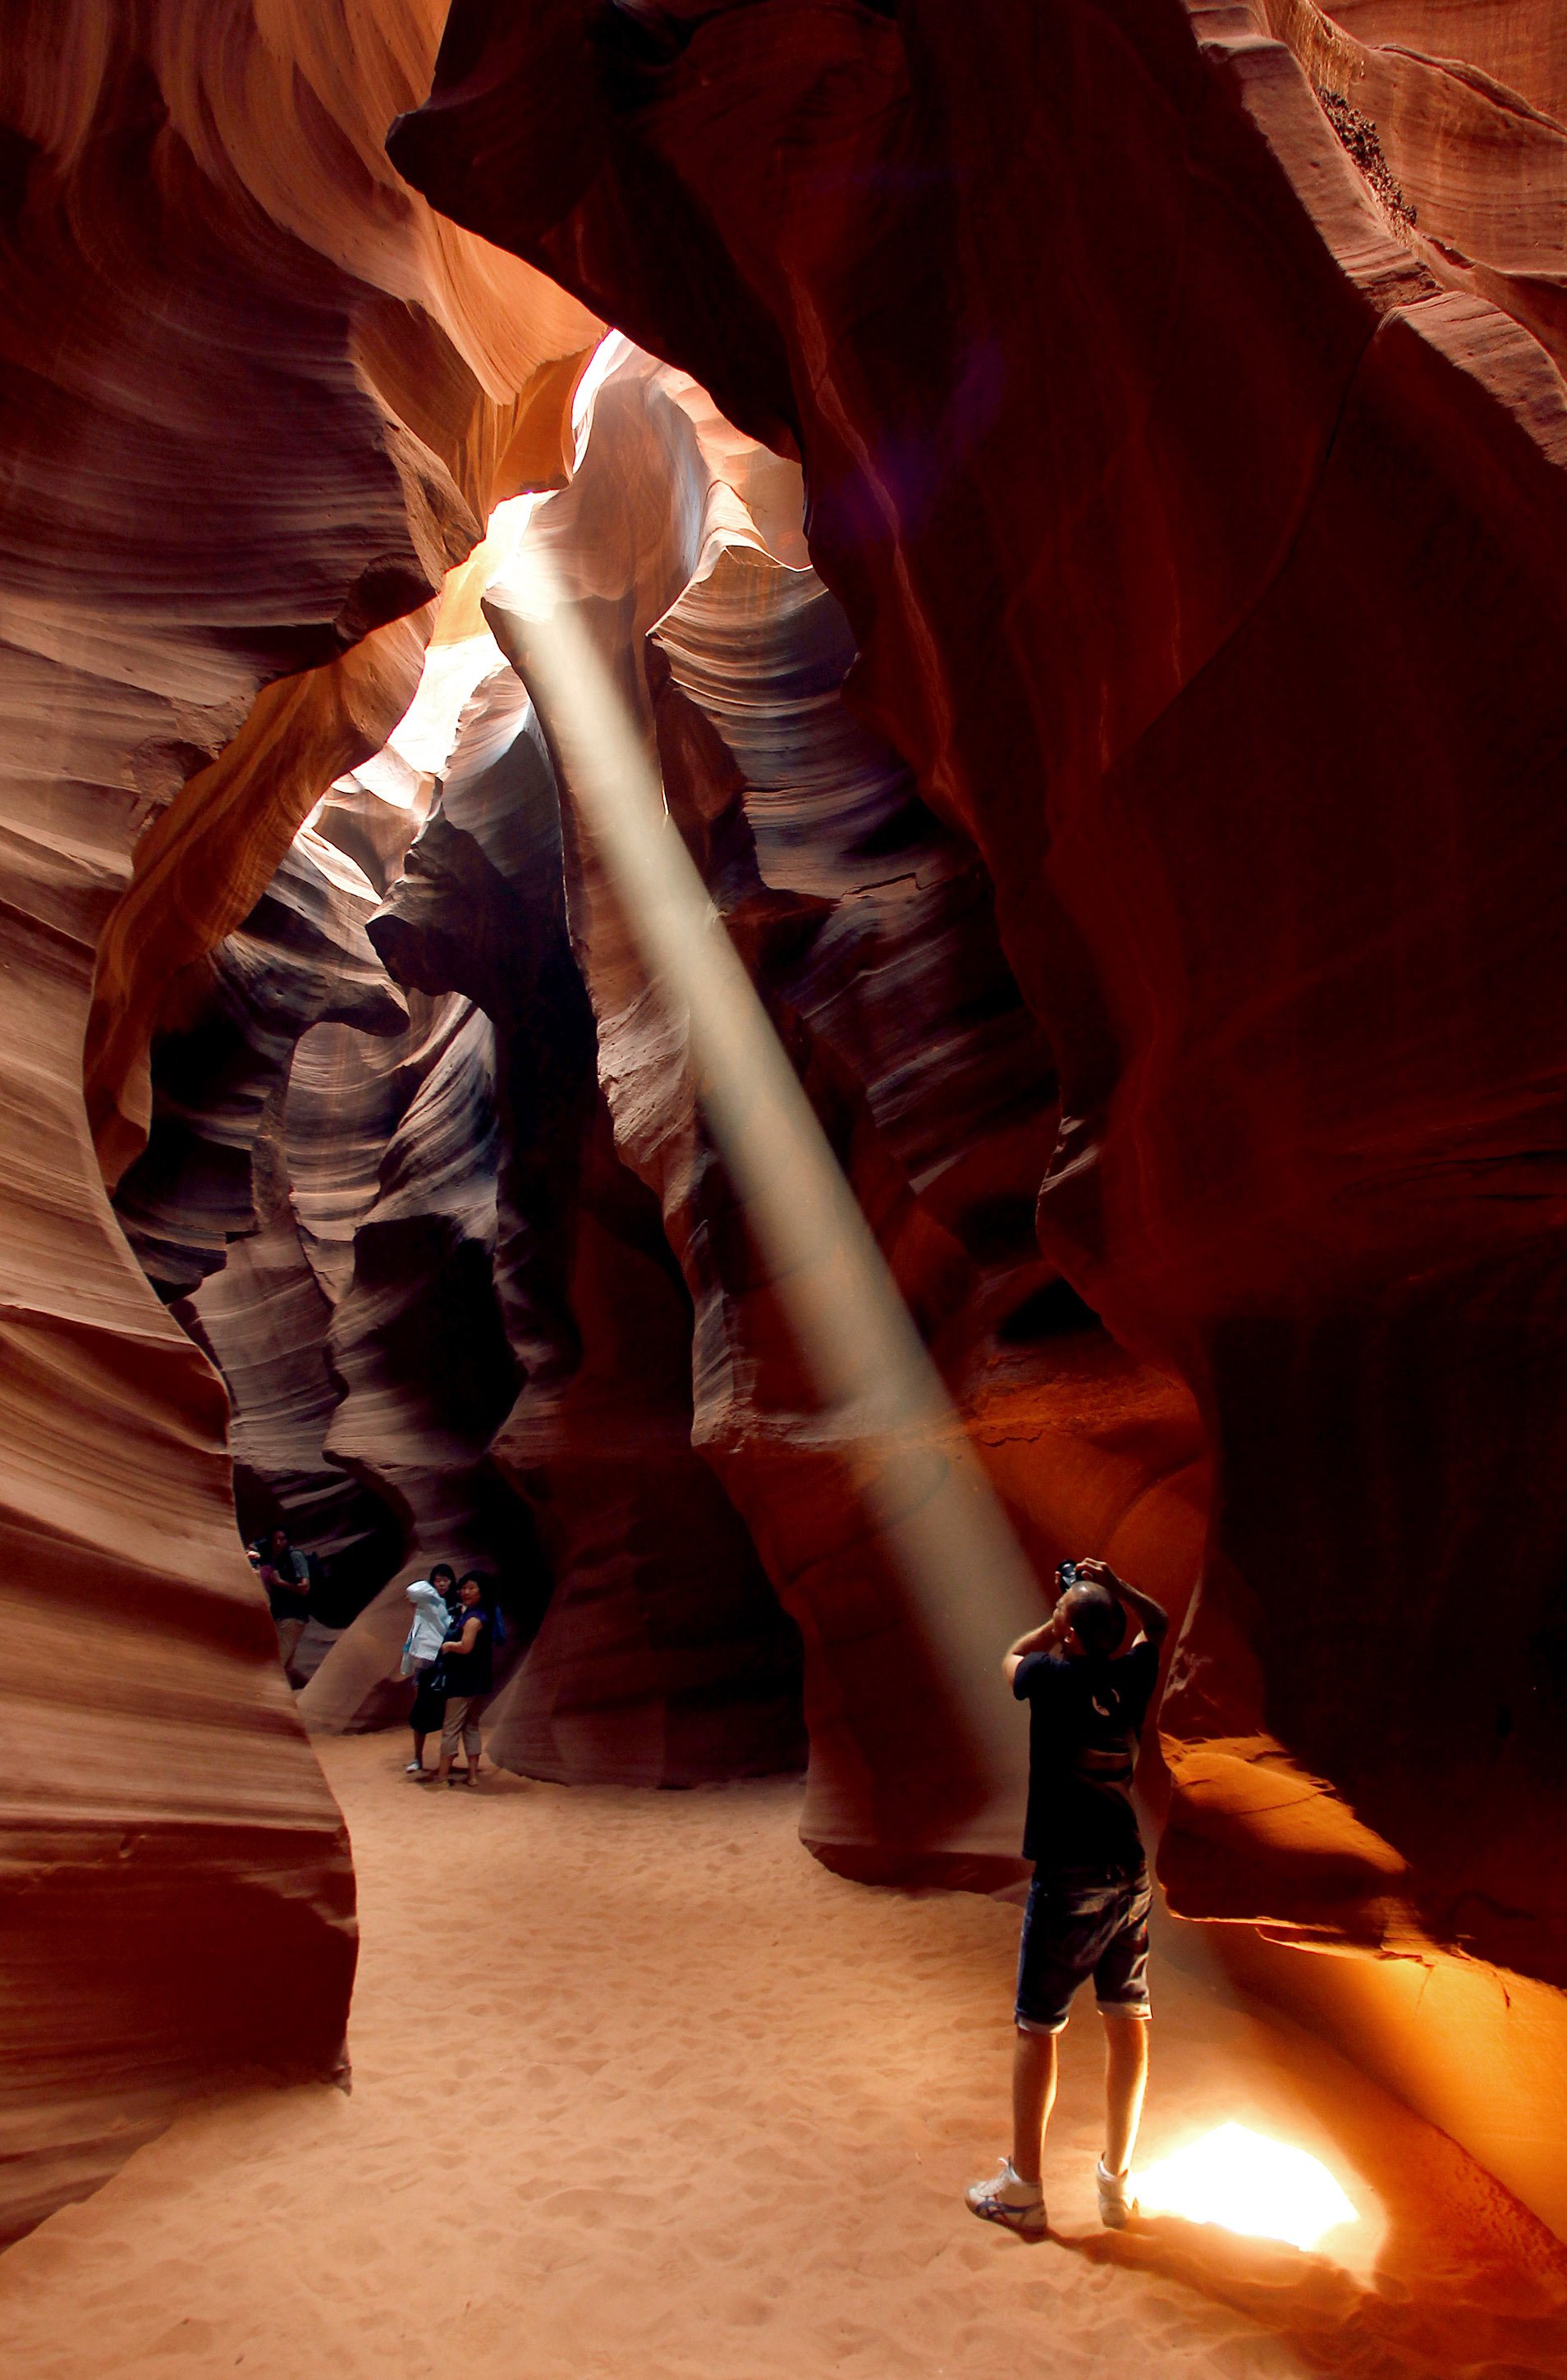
x: 1125, y: 2080
x: 1034, y: 2071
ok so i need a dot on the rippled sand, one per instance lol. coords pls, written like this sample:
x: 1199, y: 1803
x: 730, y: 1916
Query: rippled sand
x: 640, y: 2088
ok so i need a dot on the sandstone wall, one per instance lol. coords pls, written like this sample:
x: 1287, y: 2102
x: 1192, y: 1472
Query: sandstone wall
x: 868, y: 927
x: 1200, y: 520
x: 213, y: 283
x: 1177, y: 393
x: 663, y: 1659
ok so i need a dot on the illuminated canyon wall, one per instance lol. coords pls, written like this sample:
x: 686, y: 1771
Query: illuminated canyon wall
x: 1183, y: 438
x: 1136, y: 781
x: 869, y: 929
x: 663, y: 1435
x: 255, y: 400
x: 663, y: 1659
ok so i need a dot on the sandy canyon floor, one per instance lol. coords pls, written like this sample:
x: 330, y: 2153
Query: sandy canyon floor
x: 640, y: 2088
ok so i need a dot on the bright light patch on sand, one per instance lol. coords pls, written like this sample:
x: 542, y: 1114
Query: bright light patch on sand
x: 1246, y: 2183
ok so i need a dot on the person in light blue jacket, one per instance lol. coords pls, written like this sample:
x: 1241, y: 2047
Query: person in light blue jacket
x: 431, y: 1598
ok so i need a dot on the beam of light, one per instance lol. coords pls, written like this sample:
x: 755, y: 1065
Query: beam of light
x: 887, y: 1416
x: 422, y: 742
x: 1245, y: 2182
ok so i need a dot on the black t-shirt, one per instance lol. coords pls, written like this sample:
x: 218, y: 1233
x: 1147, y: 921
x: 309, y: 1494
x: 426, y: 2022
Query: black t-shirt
x: 1085, y: 1718
x: 289, y: 1564
x: 469, y: 1673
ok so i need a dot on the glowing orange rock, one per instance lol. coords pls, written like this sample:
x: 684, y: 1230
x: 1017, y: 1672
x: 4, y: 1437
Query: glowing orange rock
x: 1200, y: 523
x: 216, y: 296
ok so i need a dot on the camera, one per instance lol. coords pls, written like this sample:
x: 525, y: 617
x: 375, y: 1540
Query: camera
x: 1066, y: 1574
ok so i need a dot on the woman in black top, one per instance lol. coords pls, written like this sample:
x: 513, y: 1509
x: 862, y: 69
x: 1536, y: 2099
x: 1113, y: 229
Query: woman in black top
x: 467, y: 1661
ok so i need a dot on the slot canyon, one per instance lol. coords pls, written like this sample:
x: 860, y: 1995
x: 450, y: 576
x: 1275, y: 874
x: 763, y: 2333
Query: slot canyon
x: 1066, y: 503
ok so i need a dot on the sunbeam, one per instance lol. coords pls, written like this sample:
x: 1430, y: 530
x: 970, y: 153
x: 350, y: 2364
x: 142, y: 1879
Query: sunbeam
x: 887, y: 1414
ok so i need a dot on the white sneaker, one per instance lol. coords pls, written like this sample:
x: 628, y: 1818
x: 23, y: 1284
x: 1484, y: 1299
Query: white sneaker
x: 1118, y: 2200
x: 414, y: 1768
x: 1007, y: 2199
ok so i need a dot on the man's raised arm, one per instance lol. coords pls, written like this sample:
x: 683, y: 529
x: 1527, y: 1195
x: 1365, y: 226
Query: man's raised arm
x: 1034, y: 1640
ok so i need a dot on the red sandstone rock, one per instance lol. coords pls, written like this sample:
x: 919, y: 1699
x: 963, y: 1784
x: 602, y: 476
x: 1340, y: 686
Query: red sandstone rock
x: 1471, y: 172
x: 400, y: 1179
x: 869, y: 929
x: 264, y: 1321
x: 665, y: 1658
x: 205, y: 289
x: 1523, y: 48
x: 393, y: 1151
x: 1205, y: 558
x: 220, y: 1059
x: 416, y: 1336
x: 1197, y: 516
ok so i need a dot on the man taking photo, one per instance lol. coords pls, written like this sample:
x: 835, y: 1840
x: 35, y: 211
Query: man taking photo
x: 1087, y: 1911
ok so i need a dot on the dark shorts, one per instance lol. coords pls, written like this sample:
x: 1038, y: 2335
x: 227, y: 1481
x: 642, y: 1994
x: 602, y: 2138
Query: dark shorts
x: 1075, y: 1926
x: 428, y: 1709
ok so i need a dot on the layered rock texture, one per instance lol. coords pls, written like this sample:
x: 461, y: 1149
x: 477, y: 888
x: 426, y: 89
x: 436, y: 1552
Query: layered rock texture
x: 1193, y: 487
x: 1133, y: 794
x: 254, y: 393
x: 665, y: 1658
x: 869, y: 929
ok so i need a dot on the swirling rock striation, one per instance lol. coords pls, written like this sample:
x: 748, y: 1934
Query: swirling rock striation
x: 210, y: 305
x: 868, y: 927
x: 1471, y: 165
x: 416, y: 1335
x: 1203, y: 553
x: 1178, y: 395
x: 663, y: 1658
x: 222, y: 1057
x: 402, y: 1186
x: 266, y: 1323
x: 393, y: 1150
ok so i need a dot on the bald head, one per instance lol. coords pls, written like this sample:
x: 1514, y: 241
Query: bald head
x: 1095, y: 1618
